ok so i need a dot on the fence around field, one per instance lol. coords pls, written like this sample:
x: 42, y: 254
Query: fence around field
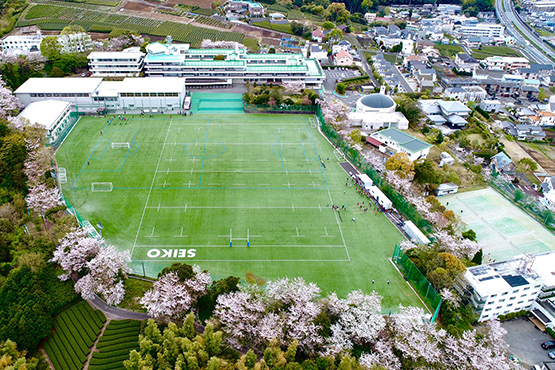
x: 418, y: 281
x: 85, y: 224
x: 527, y: 203
x: 264, y: 108
x: 399, y: 202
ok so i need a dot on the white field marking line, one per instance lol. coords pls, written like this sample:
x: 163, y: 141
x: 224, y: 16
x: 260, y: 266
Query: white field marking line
x: 327, y: 235
x: 239, y: 184
x: 198, y: 129
x: 270, y: 124
x: 151, y: 234
x: 244, y: 246
x: 170, y: 160
x: 239, y: 160
x: 186, y: 207
x: 236, y: 143
x: 214, y: 184
x: 237, y: 170
x: 339, y: 226
x: 151, y: 186
x: 293, y: 207
x: 181, y: 235
x: 264, y: 184
x: 168, y: 172
x: 262, y: 160
x: 284, y: 161
x: 319, y: 207
x: 233, y: 207
x: 159, y: 207
x: 313, y: 185
x: 410, y: 286
x: 227, y: 246
x: 298, y: 236
x: 191, y: 171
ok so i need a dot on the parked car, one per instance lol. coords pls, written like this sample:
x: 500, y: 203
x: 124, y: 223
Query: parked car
x: 551, y: 355
x: 548, y: 344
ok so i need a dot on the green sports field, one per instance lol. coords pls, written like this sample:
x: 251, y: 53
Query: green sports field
x: 230, y: 192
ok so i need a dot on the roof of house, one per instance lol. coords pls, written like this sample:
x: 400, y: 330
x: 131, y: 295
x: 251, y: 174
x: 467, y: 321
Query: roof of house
x: 456, y: 120
x: 467, y: 58
x: 453, y: 106
x: 342, y: 54
x: 318, y: 33
x: 502, y: 159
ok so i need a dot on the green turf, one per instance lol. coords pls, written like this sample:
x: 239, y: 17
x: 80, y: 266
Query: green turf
x: 221, y: 175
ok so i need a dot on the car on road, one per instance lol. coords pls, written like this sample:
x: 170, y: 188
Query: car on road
x: 549, y: 344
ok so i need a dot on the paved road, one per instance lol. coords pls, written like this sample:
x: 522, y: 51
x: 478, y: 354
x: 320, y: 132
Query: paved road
x: 525, y: 341
x: 366, y: 67
x: 512, y: 21
x: 117, y: 313
x: 402, y: 79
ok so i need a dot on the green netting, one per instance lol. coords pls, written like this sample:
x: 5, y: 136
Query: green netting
x: 279, y: 108
x: 418, y: 281
x: 74, y: 117
x: 85, y: 224
x: 525, y: 202
x: 403, y: 206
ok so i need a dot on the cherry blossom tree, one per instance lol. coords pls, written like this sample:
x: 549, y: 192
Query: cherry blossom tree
x: 106, y: 274
x: 460, y: 247
x: 284, y: 311
x: 9, y: 105
x: 359, y: 320
x: 41, y: 198
x: 333, y: 110
x: 173, y: 298
x: 382, y: 355
x: 74, y: 251
x: 294, y: 87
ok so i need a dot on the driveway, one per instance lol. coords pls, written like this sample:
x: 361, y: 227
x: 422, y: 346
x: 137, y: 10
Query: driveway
x: 524, y: 341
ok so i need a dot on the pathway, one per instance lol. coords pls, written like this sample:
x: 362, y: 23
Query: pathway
x: 93, y: 348
x: 115, y: 313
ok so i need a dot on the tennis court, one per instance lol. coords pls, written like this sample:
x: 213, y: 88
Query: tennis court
x: 231, y: 192
x: 504, y: 229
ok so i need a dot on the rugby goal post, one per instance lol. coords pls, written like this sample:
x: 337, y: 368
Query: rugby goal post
x: 121, y: 145
x: 101, y: 186
x: 62, y: 175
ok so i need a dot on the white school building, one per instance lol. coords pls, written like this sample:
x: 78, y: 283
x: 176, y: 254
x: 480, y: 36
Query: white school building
x: 52, y: 115
x: 154, y: 94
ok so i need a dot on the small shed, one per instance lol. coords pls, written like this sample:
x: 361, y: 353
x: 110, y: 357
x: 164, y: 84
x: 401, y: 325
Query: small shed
x: 415, y: 234
x: 447, y: 188
x: 380, y: 197
x: 365, y: 180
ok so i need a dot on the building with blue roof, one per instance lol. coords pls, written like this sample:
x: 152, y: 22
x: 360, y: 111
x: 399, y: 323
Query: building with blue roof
x: 397, y: 141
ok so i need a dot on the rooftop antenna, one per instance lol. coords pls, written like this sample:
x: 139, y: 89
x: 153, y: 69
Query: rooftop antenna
x: 526, y: 263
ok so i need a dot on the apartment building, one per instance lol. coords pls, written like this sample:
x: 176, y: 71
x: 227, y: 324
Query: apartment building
x: 112, y: 63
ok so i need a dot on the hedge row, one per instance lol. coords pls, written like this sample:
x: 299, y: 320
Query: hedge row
x: 75, y: 331
x: 119, y: 339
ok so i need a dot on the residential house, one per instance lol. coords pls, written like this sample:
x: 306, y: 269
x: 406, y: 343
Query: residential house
x: 446, y: 158
x: 466, y: 63
x: 453, y: 107
x: 506, y: 63
x: 492, y: 105
x: 316, y: 52
x: 343, y: 58
x: 545, y: 118
x: 243, y: 7
x: 457, y: 93
x: 370, y: 17
x: 318, y: 36
x: 502, y: 163
x: 342, y: 45
x: 548, y: 189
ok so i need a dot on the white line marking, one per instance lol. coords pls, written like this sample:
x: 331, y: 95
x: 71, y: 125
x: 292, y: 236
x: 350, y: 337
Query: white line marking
x: 339, y: 226
x: 168, y: 171
x: 186, y: 207
x: 159, y: 207
x: 233, y: 207
x: 191, y: 171
x: 238, y: 184
x: 320, y: 207
x: 181, y: 234
x: 293, y: 207
x: 150, y: 190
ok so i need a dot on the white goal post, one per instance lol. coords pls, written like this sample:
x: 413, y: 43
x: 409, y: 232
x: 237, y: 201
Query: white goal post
x: 312, y: 122
x: 101, y: 186
x: 338, y: 154
x: 121, y: 145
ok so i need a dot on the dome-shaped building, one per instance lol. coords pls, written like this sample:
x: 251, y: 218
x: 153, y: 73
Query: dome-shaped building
x: 375, y: 103
x: 375, y: 111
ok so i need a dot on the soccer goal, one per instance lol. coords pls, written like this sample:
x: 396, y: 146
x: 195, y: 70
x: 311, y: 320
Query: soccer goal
x: 62, y: 175
x: 312, y: 122
x: 338, y: 154
x: 121, y: 145
x: 101, y: 186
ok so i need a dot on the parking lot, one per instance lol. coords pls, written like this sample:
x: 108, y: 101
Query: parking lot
x: 525, y: 340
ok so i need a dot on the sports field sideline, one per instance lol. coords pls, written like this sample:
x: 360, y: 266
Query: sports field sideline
x: 230, y: 192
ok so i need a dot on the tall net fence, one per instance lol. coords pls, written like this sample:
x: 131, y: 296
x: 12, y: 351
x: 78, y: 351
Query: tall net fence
x: 399, y: 202
x: 525, y: 202
x: 264, y: 108
x: 85, y: 224
x: 418, y: 281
